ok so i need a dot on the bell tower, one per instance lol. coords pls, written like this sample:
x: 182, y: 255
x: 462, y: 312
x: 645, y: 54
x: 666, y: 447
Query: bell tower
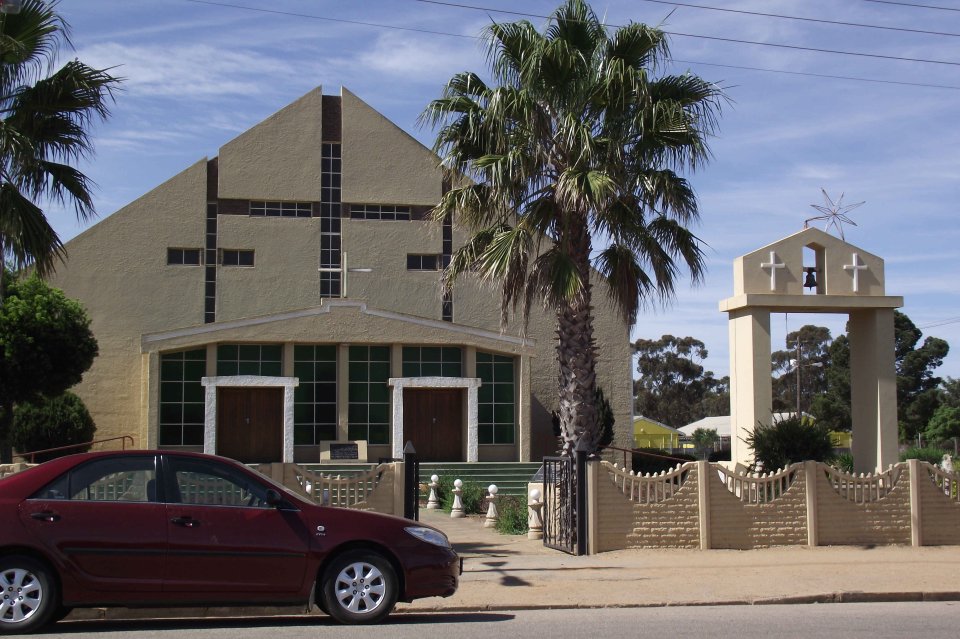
x: 841, y: 278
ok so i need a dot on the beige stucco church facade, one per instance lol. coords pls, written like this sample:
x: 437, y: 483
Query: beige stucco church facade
x: 815, y: 272
x: 280, y: 302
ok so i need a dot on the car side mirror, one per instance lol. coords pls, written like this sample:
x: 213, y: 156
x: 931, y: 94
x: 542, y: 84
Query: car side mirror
x: 273, y: 498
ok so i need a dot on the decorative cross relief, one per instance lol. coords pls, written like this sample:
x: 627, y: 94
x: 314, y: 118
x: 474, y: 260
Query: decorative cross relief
x: 773, y: 265
x: 856, y: 267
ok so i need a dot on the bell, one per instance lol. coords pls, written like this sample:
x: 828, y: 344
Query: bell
x: 810, y: 281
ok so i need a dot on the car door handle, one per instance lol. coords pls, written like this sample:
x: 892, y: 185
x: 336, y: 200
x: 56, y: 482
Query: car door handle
x: 186, y: 522
x: 45, y: 515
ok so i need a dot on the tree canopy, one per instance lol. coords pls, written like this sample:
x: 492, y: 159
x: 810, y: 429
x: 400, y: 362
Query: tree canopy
x: 673, y: 388
x: 45, y: 345
x: 567, y: 167
x: 44, y: 120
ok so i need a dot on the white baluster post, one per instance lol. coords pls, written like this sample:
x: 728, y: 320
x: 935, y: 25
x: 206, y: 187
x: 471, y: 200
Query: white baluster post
x: 457, y: 510
x: 535, y: 515
x: 492, y: 514
x: 432, y: 502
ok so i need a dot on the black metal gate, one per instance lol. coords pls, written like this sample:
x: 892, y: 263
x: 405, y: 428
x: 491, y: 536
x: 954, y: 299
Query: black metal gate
x: 411, y: 483
x: 559, y: 505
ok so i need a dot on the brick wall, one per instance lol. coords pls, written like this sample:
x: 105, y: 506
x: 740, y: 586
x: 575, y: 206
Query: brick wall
x: 738, y: 525
x: 939, y: 514
x: 671, y: 523
x: 675, y: 521
x: 882, y: 522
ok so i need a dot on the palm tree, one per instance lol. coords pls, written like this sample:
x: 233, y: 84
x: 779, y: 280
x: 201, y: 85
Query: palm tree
x: 43, y: 132
x: 567, y: 169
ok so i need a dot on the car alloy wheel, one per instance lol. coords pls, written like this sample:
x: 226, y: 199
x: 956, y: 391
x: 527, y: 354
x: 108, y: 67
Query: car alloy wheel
x: 28, y: 594
x: 360, y: 587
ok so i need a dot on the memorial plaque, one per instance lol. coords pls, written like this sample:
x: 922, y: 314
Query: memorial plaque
x: 348, y: 450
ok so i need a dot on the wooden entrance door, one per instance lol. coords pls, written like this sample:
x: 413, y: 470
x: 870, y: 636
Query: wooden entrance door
x: 433, y: 421
x: 250, y: 424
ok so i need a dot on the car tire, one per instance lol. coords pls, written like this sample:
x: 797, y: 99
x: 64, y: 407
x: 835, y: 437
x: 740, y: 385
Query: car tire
x: 359, y: 587
x: 30, y: 595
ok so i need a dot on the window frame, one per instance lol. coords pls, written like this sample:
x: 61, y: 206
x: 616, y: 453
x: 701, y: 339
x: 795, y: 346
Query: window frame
x: 173, y: 251
x: 240, y: 254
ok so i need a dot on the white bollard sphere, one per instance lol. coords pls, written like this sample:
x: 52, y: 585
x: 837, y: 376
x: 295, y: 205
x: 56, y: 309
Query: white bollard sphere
x: 492, y: 488
x: 434, y: 478
x: 458, y: 483
x: 535, y: 494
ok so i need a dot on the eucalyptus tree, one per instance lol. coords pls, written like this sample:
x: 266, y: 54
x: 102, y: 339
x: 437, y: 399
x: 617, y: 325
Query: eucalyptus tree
x: 45, y: 114
x: 566, y: 167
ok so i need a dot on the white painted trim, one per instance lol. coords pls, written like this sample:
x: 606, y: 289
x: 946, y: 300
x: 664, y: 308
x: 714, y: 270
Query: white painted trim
x: 470, y: 383
x: 324, y: 309
x: 247, y: 381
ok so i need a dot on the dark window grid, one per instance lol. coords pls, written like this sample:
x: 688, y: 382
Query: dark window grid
x: 379, y: 212
x: 496, y: 402
x: 446, y: 312
x: 281, y: 209
x: 250, y: 359
x: 182, y: 398
x: 236, y: 257
x: 185, y: 256
x: 369, y: 404
x: 315, y: 399
x: 417, y: 262
x: 432, y: 361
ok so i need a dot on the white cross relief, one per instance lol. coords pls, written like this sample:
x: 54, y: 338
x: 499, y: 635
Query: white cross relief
x: 773, y: 265
x: 856, y: 267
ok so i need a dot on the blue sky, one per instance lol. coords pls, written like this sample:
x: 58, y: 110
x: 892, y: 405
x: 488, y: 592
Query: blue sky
x: 197, y: 74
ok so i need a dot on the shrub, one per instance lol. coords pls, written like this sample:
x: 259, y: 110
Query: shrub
x: 473, y: 496
x: 931, y: 455
x: 657, y: 460
x: 844, y: 462
x: 789, y: 441
x: 512, y: 515
x: 50, y: 423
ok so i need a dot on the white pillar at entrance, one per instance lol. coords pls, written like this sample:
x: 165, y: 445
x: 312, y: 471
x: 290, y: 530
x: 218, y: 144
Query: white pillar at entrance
x: 469, y: 383
x: 873, y: 394
x: 210, y: 408
x: 751, y: 386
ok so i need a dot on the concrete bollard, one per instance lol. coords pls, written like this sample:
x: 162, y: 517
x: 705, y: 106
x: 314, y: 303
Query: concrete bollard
x: 432, y: 502
x: 535, y: 515
x: 457, y: 510
x: 492, y: 514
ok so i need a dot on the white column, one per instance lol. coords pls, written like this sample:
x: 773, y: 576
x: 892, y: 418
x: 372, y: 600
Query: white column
x: 751, y: 387
x: 873, y: 389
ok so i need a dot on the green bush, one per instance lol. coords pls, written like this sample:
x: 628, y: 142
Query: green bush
x: 932, y: 455
x: 473, y: 496
x: 843, y: 461
x: 512, y: 513
x: 657, y: 460
x: 51, y: 423
x: 789, y: 441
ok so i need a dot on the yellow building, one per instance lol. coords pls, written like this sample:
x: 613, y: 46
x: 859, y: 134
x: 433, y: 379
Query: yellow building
x: 649, y: 433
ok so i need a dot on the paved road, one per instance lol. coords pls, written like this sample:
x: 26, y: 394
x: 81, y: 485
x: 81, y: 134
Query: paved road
x: 824, y: 621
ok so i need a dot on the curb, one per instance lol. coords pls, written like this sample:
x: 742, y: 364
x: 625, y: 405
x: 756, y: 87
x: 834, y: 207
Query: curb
x: 222, y: 612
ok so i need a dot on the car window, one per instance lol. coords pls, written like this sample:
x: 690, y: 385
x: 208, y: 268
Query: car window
x: 128, y: 479
x: 206, y: 483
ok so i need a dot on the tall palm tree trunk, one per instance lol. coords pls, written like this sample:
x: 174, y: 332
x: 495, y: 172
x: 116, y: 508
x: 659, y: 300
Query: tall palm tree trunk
x: 576, y: 355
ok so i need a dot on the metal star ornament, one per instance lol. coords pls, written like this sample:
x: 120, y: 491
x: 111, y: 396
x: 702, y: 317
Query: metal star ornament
x: 835, y: 213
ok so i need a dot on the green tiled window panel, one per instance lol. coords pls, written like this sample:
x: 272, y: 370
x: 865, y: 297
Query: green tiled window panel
x: 315, y: 399
x: 250, y: 359
x: 432, y: 361
x: 182, y: 398
x: 368, y: 411
x: 496, y: 403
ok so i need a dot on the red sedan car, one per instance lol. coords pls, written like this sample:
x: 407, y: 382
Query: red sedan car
x: 157, y: 528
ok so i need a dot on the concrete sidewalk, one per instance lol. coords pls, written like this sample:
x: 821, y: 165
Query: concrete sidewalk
x: 504, y: 572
